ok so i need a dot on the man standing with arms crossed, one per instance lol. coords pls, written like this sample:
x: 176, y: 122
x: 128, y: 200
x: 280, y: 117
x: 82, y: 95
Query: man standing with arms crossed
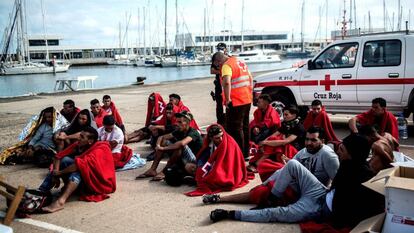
x: 237, y: 88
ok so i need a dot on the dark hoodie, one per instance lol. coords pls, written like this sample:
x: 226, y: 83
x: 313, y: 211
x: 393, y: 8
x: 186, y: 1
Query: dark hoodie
x: 353, y: 202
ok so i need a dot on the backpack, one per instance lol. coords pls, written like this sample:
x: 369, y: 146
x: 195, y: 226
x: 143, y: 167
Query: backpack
x: 174, y: 176
x: 33, y: 201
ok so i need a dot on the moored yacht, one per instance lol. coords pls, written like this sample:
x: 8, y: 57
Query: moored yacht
x: 258, y: 56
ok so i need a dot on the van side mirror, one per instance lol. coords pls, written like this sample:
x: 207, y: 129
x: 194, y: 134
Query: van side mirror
x: 311, y: 65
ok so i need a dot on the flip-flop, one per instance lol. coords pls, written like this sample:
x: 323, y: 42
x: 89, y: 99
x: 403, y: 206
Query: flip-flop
x: 142, y: 176
x: 251, y: 168
x: 48, y: 211
x: 157, y: 178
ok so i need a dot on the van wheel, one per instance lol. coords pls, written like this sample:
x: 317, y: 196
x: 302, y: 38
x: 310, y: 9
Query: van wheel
x: 282, y: 99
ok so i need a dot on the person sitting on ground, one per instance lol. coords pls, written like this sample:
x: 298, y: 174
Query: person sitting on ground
x: 36, y: 141
x: 87, y: 163
x: 346, y: 204
x: 69, y: 110
x: 220, y: 164
x: 98, y: 112
x: 266, y: 120
x: 287, y: 140
x: 166, y: 125
x: 377, y: 116
x: 71, y: 133
x: 111, y: 133
x: 182, y: 144
x: 155, y: 113
x: 317, y: 116
x: 382, y: 147
x: 110, y: 108
x: 317, y: 157
x: 179, y: 106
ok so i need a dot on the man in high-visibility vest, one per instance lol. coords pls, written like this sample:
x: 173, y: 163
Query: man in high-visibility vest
x: 237, y: 89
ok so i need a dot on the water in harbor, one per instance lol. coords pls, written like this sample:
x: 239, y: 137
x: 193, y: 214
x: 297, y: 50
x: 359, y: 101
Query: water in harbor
x: 114, y: 76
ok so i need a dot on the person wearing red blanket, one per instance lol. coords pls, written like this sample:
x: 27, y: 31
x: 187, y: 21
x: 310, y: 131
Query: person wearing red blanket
x: 318, y: 117
x: 347, y: 202
x: 179, y: 106
x: 220, y: 164
x: 155, y: 115
x: 318, y: 158
x: 377, y: 116
x: 69, y: 110
x: 266, y: 120
x: 287, y: 140
x: 98, y: 112
x: 87, y: 164
x: 111, y: 109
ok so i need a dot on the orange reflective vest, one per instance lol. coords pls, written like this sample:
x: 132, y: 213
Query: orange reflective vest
x: 241, y: 82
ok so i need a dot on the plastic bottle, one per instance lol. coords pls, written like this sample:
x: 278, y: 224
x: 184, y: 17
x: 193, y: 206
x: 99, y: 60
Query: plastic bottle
x: 402, y: 126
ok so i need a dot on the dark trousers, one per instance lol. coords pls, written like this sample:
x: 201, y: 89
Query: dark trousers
x: 264, y: 133
x: 237, y: 125
x: 219, y: 101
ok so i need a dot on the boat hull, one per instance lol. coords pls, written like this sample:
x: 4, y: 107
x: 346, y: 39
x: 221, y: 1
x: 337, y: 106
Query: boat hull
x: 33, y: 69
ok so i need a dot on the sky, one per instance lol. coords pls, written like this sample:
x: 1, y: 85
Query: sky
x: 96, y: 22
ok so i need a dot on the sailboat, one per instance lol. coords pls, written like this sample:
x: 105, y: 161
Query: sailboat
x: 299, y: 52
x: 22, y: 64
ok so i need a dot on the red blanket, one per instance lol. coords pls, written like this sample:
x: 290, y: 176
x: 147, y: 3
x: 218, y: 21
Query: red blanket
x: 155, y: 109
x: 96, y: 167
x: 181, y: 107
x: 268, y: 166
x: 259, y: 195
x: 313, y: 227
x: 388, y: 122
x: 270, y: 119
x: 320, y: 120
x: 99, y: 118
x: 120, y: 159
x: 115, y: 114
x: 225, y: 170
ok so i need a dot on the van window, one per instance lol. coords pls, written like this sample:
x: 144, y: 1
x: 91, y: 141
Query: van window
x: 382, y: 53
x: 337, y: 56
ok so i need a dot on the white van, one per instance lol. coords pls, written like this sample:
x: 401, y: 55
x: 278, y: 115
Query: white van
x: 348, y: 74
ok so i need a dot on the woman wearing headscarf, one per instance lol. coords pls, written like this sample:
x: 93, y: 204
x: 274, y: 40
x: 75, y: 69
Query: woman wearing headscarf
x: 72, y: 132
x: 36, y: 139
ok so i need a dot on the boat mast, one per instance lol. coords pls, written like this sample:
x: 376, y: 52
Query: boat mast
x: 26, y: 37
x: 302, y: 25
x: 212, y: 23
x: 176, y: 33
x: 138, y: 33
x: 204, y: 36
x: 44, y: 30
x: 145, y: 44
x: 384, y: 15
x: 242, y: 28
x: 165, y: 28
x: 326, y: 23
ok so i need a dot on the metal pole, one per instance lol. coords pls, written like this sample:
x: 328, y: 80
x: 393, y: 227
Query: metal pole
x: 165, y: 29
x: 242, y: 28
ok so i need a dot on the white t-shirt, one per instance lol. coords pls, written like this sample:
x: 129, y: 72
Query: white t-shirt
x: 116, y: 135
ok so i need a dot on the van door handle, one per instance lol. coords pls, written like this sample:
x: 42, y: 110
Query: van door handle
x: 347, y: 76
x: 393, y: 75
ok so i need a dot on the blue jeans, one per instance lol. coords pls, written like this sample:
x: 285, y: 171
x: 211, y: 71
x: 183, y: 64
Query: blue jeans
x: 73, y: 177
x: 309, y: 206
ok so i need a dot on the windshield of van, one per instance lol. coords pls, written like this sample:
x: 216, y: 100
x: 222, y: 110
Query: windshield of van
x: 338, y: 56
